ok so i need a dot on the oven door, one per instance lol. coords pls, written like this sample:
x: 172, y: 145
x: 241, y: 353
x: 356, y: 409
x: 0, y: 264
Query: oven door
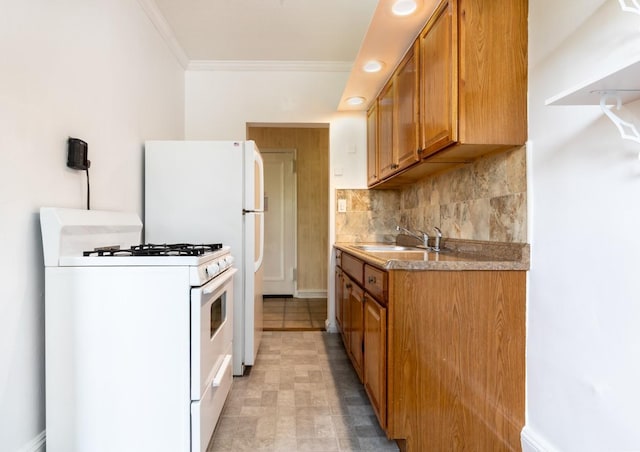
x: 211, y: 360
x: 211, y: 329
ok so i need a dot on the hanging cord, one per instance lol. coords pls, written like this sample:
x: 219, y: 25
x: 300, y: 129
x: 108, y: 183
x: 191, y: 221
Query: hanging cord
x: 88, y: 192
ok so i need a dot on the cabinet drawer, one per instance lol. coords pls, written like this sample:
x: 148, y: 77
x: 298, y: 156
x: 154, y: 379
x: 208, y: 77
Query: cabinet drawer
x: 375, y: 282
x: 353, y: 267
x: 338, y: 258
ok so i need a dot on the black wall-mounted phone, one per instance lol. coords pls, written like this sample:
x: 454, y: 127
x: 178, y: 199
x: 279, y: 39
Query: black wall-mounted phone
x: 77, y: 159
x: 77, y: 154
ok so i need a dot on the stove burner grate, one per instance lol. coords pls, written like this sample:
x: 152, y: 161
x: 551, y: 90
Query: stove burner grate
x: 151, y: 249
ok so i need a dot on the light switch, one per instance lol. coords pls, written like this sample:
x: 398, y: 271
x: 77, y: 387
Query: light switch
x: 342, y: 205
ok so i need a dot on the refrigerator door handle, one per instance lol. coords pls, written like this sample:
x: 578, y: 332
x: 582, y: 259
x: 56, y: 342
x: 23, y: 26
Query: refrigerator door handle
x: 258, y: 263
x: 259, y: 203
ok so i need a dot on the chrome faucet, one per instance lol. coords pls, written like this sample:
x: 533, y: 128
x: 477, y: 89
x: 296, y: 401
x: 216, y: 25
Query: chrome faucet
x: 422, y: 236
x: 436, y: 244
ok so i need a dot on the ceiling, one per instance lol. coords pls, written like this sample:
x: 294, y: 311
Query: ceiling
x: 280, y: 30
x: 339, y: 33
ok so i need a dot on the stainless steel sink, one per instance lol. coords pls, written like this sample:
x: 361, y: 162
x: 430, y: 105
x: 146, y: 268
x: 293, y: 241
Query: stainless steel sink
x: 388, y: 248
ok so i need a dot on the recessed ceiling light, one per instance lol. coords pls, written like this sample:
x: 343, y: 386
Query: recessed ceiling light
x: 356, y: 100
x: 404, y: 7
x: 372, y: 66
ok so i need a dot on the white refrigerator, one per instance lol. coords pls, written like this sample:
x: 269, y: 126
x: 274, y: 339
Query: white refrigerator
x: 213, y: 192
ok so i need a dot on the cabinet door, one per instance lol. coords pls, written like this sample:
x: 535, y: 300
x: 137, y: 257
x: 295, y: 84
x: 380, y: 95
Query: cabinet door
x: 406, y: 111
x: 372, y: 144
x: 438, y: 75
x: 386, y: 162
x: 339, y: 287
x: 375, y: 357
x: 356, y: 313
x: 347, y: 286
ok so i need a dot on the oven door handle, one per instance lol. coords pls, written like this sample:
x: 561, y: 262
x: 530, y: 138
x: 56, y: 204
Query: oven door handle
x: 215, y: 283
x: 217, y: 380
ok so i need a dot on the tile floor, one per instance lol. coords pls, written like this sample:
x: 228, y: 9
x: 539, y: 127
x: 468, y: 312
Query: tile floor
x: 301, y: 395
x: 297, y: 314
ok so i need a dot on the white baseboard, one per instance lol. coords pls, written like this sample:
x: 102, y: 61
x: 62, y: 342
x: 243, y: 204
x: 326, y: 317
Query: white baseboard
x: 330, y: 327
x: 311, y: 294
x: 532, y: 442
x: 37, y: 444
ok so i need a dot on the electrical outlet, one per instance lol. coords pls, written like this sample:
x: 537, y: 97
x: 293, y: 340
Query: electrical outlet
x: 342, y: 205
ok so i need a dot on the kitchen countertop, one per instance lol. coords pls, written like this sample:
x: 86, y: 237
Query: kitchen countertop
x: 456, y: 254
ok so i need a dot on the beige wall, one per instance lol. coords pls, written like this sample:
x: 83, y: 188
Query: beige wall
x: 486, y: 200
x: 312, y: 145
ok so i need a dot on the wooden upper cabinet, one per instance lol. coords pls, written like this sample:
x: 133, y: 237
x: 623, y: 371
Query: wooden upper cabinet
x: 473, y: 79
x: 372, y: 144
x: 492, y: 92
x: 438, y: 80
x: 397, y: 129
x: 470, y: 97
x: 406, y: 111
x: 386, y: 162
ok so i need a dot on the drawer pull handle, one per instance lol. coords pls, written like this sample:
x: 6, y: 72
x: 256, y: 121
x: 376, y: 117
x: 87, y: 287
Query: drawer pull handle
x: 372, y: 279
x: 217, y: 380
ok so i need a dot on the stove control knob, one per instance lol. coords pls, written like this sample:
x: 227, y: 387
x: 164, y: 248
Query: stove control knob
x: 222, y: 263
x: 213, y: 269
x: 230, y: 260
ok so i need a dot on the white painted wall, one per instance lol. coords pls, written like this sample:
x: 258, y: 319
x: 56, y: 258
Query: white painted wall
x: 219, y: 104
x: 583, y: 344
x: 95, y: 70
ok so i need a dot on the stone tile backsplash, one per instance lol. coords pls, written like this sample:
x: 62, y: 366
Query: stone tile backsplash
x: 485, y: 200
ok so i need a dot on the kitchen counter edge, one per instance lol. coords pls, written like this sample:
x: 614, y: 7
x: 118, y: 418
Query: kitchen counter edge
x: 469, y: 255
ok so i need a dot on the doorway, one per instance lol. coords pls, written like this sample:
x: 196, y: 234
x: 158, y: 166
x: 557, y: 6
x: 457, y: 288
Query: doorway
x: 311, y: 260
x: 280, y: 215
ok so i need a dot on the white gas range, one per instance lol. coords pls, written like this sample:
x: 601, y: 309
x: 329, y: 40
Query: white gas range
x: 138, y: 339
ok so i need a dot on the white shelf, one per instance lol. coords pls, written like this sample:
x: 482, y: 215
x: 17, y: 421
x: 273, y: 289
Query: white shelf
x: 624, y: 81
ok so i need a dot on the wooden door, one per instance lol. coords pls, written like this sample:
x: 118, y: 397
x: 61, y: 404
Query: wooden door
x: 279, y: 222
x: 406, y: 105
x: 386, y: 162
x: 438, y: 80
x: 372, y: 144
x: 375, y: 357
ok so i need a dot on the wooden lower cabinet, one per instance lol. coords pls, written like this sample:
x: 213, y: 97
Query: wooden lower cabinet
x: 457, y: 360
x: 442, y: 357
x: 362, y: 319
x: 349, y: 308
x: 375, y: 363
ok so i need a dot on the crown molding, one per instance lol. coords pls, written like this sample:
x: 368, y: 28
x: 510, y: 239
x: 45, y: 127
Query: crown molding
x: 157, y: 19
x: 269, y: 65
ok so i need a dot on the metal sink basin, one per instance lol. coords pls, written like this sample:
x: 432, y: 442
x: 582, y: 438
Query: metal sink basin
x: 388, y: 248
